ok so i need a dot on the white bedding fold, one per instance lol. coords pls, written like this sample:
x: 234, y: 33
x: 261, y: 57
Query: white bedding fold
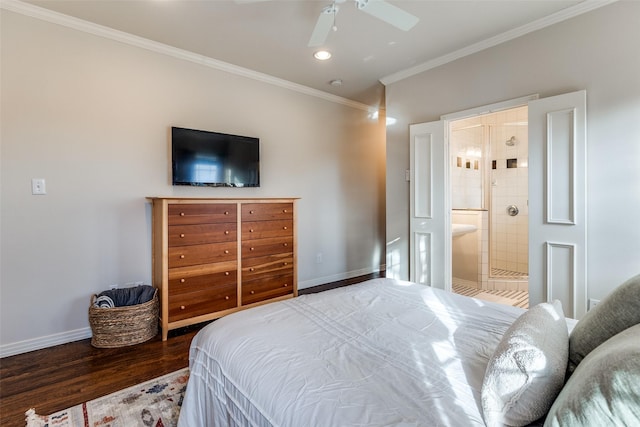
x: 380, y: 353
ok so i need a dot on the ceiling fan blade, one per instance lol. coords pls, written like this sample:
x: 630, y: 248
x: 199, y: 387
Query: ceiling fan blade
x: 388, y: 13
x: 323, y: 26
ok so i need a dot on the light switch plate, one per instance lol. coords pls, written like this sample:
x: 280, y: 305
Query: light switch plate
x: 38, y: 186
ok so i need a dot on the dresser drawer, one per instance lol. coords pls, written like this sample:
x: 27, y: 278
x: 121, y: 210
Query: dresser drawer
x: 202, y: 269
x: 218, y: 298
x: 186, y: 284
x: 266, y: 229
x: 262, y: 247
x: 182, y: 235
x: 267, y: 266
x: 264, y: 289
x: 180, y: 256
x: 201, y: 213
x: 266, y: 211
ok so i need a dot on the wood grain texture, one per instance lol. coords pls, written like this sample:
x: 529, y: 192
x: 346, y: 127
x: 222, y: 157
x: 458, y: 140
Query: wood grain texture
x: 59, y: 377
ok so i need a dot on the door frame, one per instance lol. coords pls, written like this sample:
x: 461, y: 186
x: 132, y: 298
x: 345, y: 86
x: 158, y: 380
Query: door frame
x: 447, y: 119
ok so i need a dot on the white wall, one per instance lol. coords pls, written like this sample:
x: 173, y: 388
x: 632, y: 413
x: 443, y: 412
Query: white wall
x: 597, y: 51
x: 92, y: 116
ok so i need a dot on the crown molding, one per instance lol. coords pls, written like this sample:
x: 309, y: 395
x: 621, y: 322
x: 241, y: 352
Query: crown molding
x: 185, y: 55
x: 562, y: 15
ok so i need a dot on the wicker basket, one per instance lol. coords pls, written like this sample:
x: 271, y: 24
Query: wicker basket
x: 123, y: 326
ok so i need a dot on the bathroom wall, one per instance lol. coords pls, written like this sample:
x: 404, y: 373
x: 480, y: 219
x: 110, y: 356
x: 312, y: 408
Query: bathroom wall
x: 467, y: 165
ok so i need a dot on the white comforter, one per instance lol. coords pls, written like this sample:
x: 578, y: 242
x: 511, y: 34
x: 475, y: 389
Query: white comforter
x: 380, y: 353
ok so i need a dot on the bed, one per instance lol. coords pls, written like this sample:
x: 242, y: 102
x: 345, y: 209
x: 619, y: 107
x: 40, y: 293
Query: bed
x: 380, y: 353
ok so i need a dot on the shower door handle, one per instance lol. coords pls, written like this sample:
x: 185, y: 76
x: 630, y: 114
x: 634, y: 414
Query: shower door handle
x: 512, y: 210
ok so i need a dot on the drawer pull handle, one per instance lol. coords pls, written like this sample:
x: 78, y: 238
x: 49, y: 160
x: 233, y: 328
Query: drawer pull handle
x: 226, y: 273
x: 182, y: 307
x: 286, y: 284
x: 285, y: 244
x: 252, y: 249
x: 181, y: 256
x: 181, y: 235
x: 226, y: 212
x: 227, y: 297
x: 252, y: 212
x: 251, y: 269
x: 226, y: 252
x: 182, y: 280
x: 226, y: 232
x: 181, y: 213
x: 284, y: 210
x: 284, y: 228
x: 251, y: 230
x: 253, y: 292
x: 285, y: 263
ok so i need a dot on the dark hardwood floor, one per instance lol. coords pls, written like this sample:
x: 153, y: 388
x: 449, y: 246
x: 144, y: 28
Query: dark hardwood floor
x: 56, y: 378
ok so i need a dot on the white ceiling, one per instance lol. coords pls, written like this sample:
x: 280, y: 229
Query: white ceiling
x: 271, y: 37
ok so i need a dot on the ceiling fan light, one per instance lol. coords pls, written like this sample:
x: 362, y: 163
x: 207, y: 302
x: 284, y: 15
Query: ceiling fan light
x: 322, y: 55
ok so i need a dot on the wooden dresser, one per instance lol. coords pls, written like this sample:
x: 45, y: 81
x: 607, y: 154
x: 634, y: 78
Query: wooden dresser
x: 212, y: 257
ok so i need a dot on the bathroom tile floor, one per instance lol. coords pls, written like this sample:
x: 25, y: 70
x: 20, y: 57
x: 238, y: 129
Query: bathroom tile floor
x: 515, y: 298
x: 498, y: 272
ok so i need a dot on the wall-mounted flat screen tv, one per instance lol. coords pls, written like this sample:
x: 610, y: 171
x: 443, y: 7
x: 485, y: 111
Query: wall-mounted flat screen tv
x: 212, y: 159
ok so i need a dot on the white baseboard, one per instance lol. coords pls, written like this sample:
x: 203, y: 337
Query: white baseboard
x: 84, y: 333
x: 44, y: 342
x: 337, y: 277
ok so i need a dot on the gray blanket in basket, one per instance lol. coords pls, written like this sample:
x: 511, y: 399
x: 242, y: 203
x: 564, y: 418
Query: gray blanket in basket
x: 125, y: 296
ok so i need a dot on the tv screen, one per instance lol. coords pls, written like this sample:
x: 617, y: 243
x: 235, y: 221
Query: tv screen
x: 213, y: 159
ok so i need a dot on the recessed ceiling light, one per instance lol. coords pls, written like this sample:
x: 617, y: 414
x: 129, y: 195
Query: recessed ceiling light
x: 322, y: 55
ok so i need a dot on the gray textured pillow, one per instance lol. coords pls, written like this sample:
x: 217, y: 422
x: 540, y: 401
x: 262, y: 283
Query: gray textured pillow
x: 604, y: 390
x: 526, y: 371
x: 617, y: 312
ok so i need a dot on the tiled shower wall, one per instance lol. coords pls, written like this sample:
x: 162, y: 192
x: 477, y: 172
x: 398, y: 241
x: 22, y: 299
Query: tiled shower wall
x: 509, y: 239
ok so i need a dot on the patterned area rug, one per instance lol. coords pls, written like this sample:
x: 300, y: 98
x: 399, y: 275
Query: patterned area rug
x: 155, y: 403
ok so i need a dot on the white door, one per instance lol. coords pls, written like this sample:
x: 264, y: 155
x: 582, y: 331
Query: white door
x: 557, y: 202
x: 429, y: 251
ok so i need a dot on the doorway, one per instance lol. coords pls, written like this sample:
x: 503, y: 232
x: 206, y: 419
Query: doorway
x: 489, y: 206
x: 556, y: 194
